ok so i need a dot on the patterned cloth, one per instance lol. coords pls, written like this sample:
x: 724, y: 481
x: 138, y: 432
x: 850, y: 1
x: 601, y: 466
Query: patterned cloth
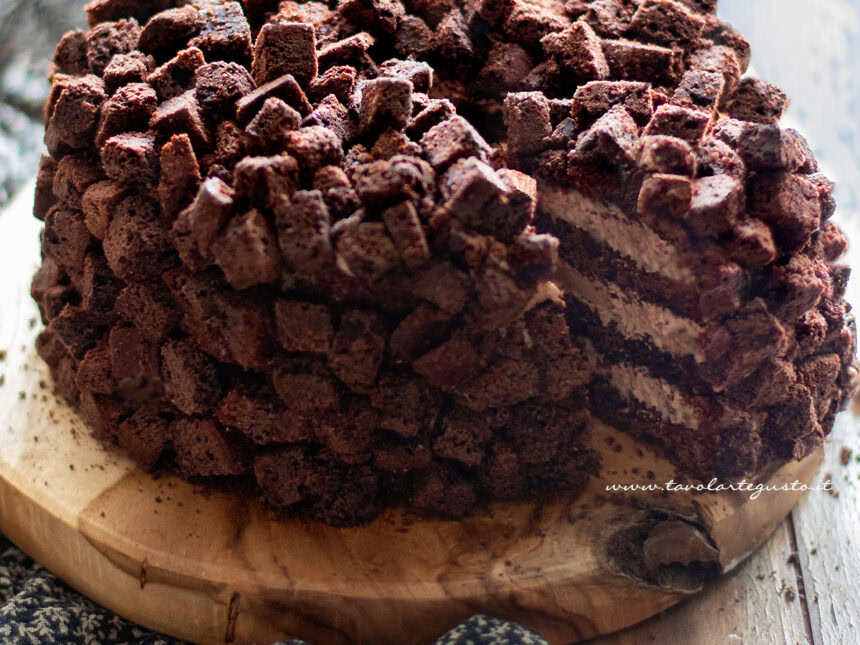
x: 38, y: 609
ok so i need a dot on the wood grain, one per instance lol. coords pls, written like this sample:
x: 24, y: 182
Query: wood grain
x: 218, y: 568
x: 826, y: 525
x: 813, y: 55
x: 753, y: 604
x: 827, y: 530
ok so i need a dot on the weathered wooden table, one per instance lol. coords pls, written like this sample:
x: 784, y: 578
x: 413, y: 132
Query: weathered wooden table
x: 803, y: 585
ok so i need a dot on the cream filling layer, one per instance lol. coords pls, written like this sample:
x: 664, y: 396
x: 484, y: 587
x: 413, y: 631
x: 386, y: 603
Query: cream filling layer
x: 608, y: 224
x: 634, y: 382
x: 635, y: 318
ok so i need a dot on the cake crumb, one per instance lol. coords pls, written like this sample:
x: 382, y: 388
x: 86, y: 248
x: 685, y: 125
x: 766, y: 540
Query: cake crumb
x: 828, y: 477
x: 845, y: 455
x: 788, y: 592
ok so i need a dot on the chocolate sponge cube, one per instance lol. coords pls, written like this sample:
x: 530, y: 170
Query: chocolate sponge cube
x: 182, y: 114
x: 99, y: 287
x: 358, y: 348
x: 72, y: 112
x: 123, y: 69
x: 717, y: 203
x: 676, y: 121
x: 666, y: 22
x: 609, y: 18
x: 128, y: 110
x: 150, y: 308
x: 304, y: 326
x: 285, y: 48
x: 478, y: 196
x: 405, y: 229
x: 190, y: 380
x: 66, y: 238
x: 612, y: 138
x: 648, y: 63
x: 145, y: 435
x: 74, y: 174
x: 453, y: 139
x: 70, y: 54
x: 105, y: 10
x: 385, y: 103
x: 107, y: 39
x: 367, y: 251
x: 593, y: 99
x: 94, y: 371
x: 247, y: 251
x: 527, y: 118
x: 180, y: 175
x: 578, y: 52
x: 790, y: 205
x: 197, y: 226
x: 224, y: 32
x: 219, y: 85
x: 304, y: 230
x: 204, y: 450
x: 166, y: 32
x: 137, y: 242
x: 665, y: 195
x: 98, y: 204
x: 131, y: 159
x: 314, y: 147
x: 752, y: 244
x: 757, y: 101
x: 768, y: 147
x: 176, y: 76
x: 266, y: 130
x: 450, y: 364
x: 305, y: 389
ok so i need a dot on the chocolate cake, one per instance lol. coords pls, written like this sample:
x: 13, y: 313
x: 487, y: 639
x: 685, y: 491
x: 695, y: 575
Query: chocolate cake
x: 367, y: 253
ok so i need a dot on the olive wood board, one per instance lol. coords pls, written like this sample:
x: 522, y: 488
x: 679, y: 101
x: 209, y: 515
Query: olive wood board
x: 216, y: 567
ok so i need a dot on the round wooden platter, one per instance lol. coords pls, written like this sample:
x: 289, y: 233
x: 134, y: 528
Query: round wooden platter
x: 218, y: 568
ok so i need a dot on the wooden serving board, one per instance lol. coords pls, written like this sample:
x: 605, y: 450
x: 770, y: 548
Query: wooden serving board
x: 217, y: 568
